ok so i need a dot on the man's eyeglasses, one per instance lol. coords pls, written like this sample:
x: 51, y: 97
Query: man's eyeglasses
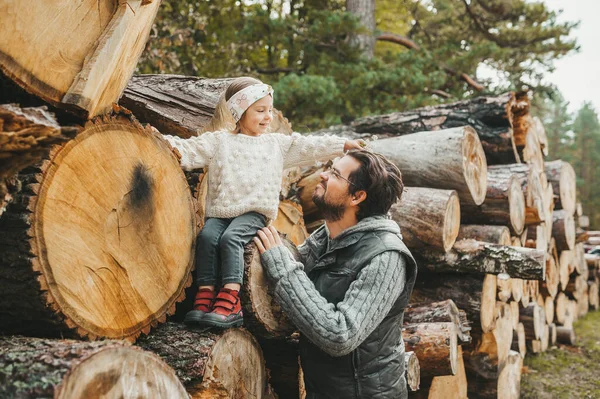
x: 329, y: 169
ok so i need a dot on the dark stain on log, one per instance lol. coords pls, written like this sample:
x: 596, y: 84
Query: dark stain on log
x: 101, y: 384
x: 141, y: 187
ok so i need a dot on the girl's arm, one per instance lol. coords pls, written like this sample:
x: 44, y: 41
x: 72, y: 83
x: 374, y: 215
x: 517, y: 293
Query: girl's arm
x: 299, y: 150
x: 196, y: 152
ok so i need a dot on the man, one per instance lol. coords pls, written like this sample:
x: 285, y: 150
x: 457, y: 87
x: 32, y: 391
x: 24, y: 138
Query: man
x: 348, y: 293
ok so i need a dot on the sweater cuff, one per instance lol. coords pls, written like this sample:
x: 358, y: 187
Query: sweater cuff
x: 277, y: 262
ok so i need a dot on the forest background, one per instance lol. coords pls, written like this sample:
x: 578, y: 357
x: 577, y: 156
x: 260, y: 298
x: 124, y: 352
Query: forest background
x: 332, y: 61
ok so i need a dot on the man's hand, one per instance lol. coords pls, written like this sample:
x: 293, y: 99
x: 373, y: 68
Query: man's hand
x: 354, y: 144
x: 269, y: 238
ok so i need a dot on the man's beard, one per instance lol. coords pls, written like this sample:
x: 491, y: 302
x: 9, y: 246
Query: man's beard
x: 331, y: 212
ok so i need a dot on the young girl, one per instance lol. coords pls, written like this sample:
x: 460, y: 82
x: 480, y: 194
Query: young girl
x: 245, y: 171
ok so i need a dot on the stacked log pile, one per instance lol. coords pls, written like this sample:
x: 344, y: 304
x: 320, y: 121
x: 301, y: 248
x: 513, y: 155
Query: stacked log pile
x: 98, y: 231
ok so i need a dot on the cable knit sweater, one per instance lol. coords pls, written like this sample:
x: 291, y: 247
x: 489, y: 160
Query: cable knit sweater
x: 245, y: 172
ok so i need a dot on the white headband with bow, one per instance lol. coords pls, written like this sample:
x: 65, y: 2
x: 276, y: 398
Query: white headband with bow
x: 243, y: 99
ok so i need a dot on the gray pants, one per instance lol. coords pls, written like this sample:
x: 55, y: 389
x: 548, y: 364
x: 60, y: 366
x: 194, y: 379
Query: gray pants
x: 223, y: 240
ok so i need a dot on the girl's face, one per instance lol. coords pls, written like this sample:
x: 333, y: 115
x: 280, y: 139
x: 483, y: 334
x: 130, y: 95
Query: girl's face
x: 258, y: 117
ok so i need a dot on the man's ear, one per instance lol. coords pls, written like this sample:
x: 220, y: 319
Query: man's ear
x: 359, y: 197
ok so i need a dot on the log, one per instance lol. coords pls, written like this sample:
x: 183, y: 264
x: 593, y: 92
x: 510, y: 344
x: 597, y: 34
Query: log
x: 470, y: 256
x: 560, y: 308
x: 211, y: 364
x: 290, y: 222
x: 532, y: 152
x: 534, y: 320
x: 435, y: 345
x: 474, y: 294
x: 583, y: 303
x: 576, y: 287
x: 100, y: 240
x: 565, y: 335
x: 509, y: 377
x: 531, y: 184
x: 593, y: 295
x: 450, y: 159
x: 564, y: 267
x: 428, y: 217
x: 413, y: 370
x: 534, y: 346
x: 583, y: 221
x: 26, y: 136
x: 262, y: 314
x: 519, y: 341
x: 438, y: 312
x: 552, y: 279
x: 517, y: 289
x: 562, y: 177
x: 84, y: 68
x: 549, y: 309
x: 181, y: 105
x: 492, y: 234
x: 481, y: 358
x: 283, y: 365
x: 504, y: 203
x: 563, y: 230
x: 552, y: 334
x: 45, y: 368
x: 503, y: 331
x: 454, y: 386
x: 496, y: 120
x: 504, y: 287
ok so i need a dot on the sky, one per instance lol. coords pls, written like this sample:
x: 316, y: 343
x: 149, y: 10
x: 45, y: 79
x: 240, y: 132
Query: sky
x: 578, y: 75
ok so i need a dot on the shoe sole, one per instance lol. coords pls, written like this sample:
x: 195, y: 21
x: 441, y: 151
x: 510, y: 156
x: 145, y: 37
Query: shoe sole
x: 219, y: 324
x: 193, y: 319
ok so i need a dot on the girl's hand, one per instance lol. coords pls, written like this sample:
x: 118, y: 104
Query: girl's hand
x: 268, y: 237
x: 354, y: 145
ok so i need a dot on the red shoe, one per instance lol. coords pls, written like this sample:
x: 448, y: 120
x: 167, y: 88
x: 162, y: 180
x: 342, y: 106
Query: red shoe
x: 227, y: 310
x: 203, y: 304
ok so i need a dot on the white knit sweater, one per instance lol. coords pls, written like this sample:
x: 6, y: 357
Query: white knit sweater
x: 245, y: 172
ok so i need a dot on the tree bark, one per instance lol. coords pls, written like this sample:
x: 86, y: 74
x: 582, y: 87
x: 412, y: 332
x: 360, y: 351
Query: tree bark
x: 562, y: 177
x: 565, y: 335
x: 211, y: 364
x: 499, y: 235
x: 438, y: 312
x: 26, y: 136
x: 450, y: 159
x: 364, y: 10
x: 84, y: 68
x: 470, y: 256
x: 100, y: 240
x: 435, y: 344
x: 504, y: 203
x: 44, y: 368
x: 181, y: 105
x: 496, y: 119
x: 563, y: 230
x: 534, y: 320
x: 474, y: 294
x: 428, y: 217
x: 449, y: 386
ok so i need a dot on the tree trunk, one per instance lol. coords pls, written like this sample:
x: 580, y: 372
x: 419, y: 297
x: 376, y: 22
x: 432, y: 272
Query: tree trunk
x: 563, y: 230
x: 26, y: 136
x: 84, y: 68
x: 504, y: 203
x: 413, y: 371
x: 364, y: 10
x: 470, y: 256
x: 435, y: 344
x: 211, y: 364
x: 262, y: 314
x: 532, y: 187
x: 428, y: 217
x: 565, y: 335
x: 438, y: 312
x: 519, y: 341
x: 496, y: 119
x: 181, y: 105
x: 44, y: 368
x: 450, y: 159
x: 562, y: 177
x: 499, y: 235
x: 100, y: 240
x: 474, y: 294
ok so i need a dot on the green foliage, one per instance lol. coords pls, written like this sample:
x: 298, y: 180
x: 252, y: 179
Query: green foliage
x: 304, y: 42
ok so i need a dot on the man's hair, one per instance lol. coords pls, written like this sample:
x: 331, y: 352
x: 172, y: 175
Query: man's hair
x: 381, y: 180
x: 222, y: 118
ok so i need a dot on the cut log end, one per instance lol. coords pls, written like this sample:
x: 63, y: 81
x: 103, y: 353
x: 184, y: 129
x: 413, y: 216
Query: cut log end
x: 516, y: 201
x: 474, y: 165
x: 451, y: 221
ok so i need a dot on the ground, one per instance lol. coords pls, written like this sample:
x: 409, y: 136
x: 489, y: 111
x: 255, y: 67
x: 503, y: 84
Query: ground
x: 566, y: 372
